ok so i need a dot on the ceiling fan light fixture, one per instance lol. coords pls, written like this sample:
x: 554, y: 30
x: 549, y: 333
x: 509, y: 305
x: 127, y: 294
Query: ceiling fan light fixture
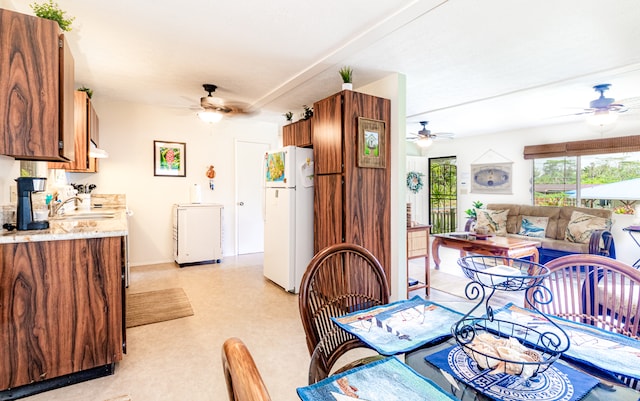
x: 425, y: 142
x: 210, y: 116
x: 602, y: 118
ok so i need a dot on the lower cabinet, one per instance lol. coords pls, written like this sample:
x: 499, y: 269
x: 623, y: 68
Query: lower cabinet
x: 61, y: 308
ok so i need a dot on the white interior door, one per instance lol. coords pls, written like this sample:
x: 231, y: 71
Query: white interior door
x: 250, y: 196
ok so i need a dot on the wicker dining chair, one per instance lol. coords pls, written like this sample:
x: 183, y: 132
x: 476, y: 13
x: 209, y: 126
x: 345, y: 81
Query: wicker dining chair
x: 594, y: 290
x: 340, y: 279
x: 243, y: 379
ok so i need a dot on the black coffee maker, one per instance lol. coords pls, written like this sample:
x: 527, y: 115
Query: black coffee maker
x: 27, y: 185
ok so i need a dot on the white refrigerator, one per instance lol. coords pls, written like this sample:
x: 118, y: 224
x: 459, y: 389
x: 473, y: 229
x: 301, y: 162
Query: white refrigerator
x: 288, y: 215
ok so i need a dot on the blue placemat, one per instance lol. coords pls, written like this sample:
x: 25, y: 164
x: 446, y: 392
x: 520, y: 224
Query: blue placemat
x: 384, y: 380
x: 590, y: 345
x: 400, y: 326
x: 558, y: 383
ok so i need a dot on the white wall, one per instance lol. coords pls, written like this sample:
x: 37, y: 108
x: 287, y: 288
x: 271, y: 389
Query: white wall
x: 510, y: 146
x: 127, y: 132
x: 394, y: 87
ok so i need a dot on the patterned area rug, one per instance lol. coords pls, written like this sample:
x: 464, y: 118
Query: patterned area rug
x: 157, y: 306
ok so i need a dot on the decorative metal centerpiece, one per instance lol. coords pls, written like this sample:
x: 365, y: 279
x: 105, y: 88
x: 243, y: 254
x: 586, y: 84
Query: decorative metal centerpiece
x: 501, y: 346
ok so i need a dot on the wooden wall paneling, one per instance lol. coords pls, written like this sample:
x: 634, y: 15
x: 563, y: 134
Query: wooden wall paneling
x: 327, y: 135
x: 327, y: 211
x: 29, y: 61
x: 62, y: 308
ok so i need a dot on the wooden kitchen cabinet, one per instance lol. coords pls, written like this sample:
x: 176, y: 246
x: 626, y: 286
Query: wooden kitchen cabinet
x: 351, y: 203
x: 85, y: 131
x: 62, y: 308
x: 36, y: 89
x: 297, y: 134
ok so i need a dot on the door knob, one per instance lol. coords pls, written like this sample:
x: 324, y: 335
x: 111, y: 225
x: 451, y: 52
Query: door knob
x: 241, y: 203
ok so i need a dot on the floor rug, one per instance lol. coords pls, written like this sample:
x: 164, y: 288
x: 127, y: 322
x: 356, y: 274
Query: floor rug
x: 157, y: 306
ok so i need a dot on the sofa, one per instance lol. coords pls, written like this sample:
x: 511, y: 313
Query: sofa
x: 562, y: 230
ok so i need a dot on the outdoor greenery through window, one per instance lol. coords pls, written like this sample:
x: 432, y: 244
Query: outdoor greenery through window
x: 610, y: 181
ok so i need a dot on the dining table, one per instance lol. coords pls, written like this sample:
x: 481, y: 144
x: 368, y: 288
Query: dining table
x: 416, y: 333
x: 605, y: 390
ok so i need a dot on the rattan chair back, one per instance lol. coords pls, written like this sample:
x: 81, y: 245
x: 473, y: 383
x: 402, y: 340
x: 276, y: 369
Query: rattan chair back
x: 591, y: 289
x: 340, y: 279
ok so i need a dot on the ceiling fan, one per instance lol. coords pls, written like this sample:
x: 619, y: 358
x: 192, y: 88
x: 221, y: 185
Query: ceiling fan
x: 213, y: 108
x: 424, y: 138
x: 603, y: 110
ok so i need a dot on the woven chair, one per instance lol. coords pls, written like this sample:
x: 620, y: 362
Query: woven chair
x: 340, y: 279
x: 595, y: 290
x: 243, y: 379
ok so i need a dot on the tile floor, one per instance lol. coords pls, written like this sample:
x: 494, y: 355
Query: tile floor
x: 180, y: 359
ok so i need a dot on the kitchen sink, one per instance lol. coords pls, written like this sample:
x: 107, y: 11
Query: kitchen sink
x: 86, y: 215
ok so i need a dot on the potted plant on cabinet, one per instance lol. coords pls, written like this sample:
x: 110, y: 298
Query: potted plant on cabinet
x: 289, y: 116
x: 308, y: 112
x: 52, y: 11
x: 346, y: 73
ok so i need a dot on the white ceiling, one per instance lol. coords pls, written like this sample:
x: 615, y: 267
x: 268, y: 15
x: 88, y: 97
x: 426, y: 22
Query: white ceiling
x: 472, y: 66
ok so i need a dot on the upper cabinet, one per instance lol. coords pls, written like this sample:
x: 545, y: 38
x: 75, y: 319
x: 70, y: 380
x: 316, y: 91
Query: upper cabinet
x: 297, y: 134
x: 86, y: 131
x: 36, y: 89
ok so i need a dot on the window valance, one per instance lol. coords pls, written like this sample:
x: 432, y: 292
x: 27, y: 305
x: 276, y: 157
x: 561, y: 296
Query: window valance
x: 588, y: 147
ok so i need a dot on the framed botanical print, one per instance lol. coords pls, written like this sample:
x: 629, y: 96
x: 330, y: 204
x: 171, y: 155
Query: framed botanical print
x: 169, y: 159
x: 371, y: 143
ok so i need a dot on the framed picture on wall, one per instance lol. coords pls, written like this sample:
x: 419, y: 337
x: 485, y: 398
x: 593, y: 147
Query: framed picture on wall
x: 492, y: 178
x: 170, y: 159
x: 371, y: 143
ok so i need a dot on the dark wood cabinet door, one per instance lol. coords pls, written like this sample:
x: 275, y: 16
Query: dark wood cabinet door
x: 302, y: 131
x: 80, y: 140
x: 288, y: 135
x: 67, y: 100
x: 327, y: 135
x: 327, y: 211
x: 29, y: 80
x: 367, y: 191
x: 61, y: 308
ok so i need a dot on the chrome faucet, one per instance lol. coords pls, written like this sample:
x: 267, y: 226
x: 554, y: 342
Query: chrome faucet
x: 55, y: 209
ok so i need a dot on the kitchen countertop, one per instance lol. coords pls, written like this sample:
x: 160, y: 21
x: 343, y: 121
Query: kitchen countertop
x: 62, y: 228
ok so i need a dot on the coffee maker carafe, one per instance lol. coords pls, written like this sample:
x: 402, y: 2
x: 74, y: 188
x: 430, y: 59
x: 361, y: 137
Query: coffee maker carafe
x: 27, y: 185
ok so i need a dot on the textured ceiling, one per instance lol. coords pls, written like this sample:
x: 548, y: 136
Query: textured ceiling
x: 472, y: 66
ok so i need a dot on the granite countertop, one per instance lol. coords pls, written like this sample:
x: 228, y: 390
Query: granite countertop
x: 66, y: 228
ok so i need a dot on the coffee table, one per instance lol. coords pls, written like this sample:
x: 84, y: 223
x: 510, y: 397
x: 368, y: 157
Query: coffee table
x: 492, y: 246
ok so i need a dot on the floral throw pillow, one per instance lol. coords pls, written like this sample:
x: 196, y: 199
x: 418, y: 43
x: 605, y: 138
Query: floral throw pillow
x: 533, y: 226
x: 494, y: 220
x: 582, y: 225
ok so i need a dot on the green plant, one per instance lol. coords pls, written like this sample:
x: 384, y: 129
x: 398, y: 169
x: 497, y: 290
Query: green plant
x: 471, y: 213
x: 308, y: 112
x: 88, y: 90
x: 346, y: 73
x: 288, y: 115
x: 52, y: 11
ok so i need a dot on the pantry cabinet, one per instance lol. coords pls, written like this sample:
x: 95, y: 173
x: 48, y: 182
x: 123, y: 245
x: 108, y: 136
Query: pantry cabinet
x: 85, y: 131
x: 36, y: 89
x: 352, y: 203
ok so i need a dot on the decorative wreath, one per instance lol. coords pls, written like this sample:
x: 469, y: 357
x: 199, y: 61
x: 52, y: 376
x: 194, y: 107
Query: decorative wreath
x: 414, y: 181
